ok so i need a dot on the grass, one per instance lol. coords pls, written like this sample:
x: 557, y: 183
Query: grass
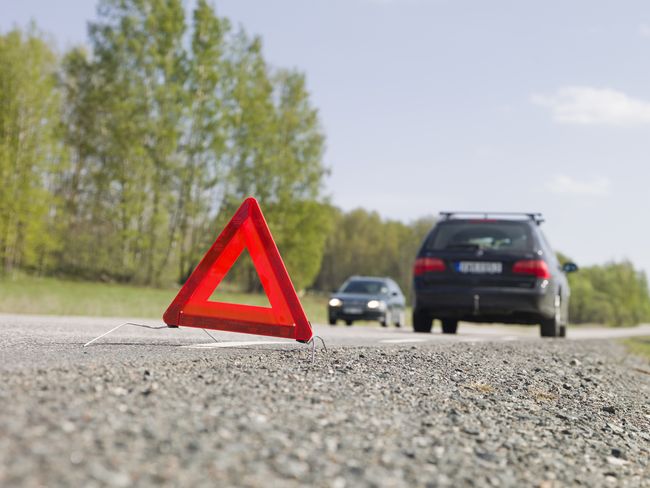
x: 639, y: 346
x: 50, y: 296
x: 25, y: 294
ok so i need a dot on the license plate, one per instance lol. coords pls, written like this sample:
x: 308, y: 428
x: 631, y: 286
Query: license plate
x: 352, y: 310
x: 479, y: 267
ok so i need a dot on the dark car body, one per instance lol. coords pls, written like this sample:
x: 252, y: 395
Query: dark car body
x: 367, y: 298
x: 491, y: 268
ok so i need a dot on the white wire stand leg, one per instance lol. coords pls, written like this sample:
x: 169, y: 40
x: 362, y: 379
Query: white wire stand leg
x: 133, y: 324
x: 312, y: 342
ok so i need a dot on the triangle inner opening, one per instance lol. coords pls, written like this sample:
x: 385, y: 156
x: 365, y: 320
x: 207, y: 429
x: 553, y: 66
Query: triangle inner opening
x: 241, y: 284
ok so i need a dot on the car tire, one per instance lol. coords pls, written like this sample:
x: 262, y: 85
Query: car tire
x: 553, y: 327
x: 348, y: 322
x: 401, y: 319
x: 422, y: 321
x: 565, y: 319
x: 332, y: 321
x: 385, y: 320
x: 449, y: 326
x: 549, y: 328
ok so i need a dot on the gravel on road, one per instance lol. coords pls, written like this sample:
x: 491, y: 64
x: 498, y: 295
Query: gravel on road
x: 536, y: 413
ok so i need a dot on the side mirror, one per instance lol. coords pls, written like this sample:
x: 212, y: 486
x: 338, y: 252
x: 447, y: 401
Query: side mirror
x: 569, y: 267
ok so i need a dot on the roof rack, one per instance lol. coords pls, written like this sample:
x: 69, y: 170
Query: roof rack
x: 534, y: 216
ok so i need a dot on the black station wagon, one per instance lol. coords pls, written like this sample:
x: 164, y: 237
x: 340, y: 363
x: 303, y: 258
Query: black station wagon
x: 490, y: 267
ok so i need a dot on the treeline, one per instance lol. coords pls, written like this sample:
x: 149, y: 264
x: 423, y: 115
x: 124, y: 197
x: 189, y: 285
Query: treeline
x: 615, y: 294
x: 363, y: 243
x: 121, y: 161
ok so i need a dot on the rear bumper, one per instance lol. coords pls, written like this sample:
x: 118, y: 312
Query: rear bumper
x: 492, y: 304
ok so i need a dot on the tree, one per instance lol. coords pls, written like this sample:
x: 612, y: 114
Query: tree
x: 29, y: 150
x: 276, y: 155
x: 169, y: 127
x: 615, y: 294
x: 363, y: 243
x: 131, y: 96
x: 205, y: 167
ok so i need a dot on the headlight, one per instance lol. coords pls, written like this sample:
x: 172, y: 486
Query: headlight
x: 335, y: 302
x: 376, y: 304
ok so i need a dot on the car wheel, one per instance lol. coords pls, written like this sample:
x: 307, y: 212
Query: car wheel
x: 449, y: 326
x: 422, y: 321
x: 385, y: 320
x: 401, y: 319
x: 332, y: 321
x: 348, y: 322
x: 564, y: 312
x: 553, y: 327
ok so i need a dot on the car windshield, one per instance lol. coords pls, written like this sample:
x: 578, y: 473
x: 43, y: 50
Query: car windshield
x: 365, y: 287
x: 484, y: 235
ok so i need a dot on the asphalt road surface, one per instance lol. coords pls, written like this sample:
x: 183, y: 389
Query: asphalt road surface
x: 492, y: 406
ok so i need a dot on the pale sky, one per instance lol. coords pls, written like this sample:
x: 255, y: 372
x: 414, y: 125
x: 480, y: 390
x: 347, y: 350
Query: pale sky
x: 433, y: 105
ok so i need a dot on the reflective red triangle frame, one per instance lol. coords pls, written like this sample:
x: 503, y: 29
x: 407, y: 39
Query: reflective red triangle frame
x: 285, y: 318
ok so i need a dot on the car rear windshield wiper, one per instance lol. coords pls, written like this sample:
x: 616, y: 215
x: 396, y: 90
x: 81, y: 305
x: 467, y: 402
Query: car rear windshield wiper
x: 468, y: 247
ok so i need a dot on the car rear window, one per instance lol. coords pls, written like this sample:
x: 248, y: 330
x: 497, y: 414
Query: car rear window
x: 365, y: 287
x: 485, y: 235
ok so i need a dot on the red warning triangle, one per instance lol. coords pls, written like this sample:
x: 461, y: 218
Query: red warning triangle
x: 246, y: 230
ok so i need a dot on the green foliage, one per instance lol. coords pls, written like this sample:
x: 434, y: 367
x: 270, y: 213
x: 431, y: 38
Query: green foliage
x: 362, y: 243
x: 277, y: 156
x: 301, y: 228
x: 124, y: 128
x: 167, y: 125
x: 615, y: 294
x: 171, y: 125
x: 29, y: 151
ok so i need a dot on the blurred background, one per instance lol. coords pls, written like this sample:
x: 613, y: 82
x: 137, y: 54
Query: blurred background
x: 130, y: 131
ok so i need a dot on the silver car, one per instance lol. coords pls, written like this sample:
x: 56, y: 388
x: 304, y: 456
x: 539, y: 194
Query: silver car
x: 368, y: 298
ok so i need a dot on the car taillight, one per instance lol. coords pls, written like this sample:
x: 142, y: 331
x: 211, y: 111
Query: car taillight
x: 535, y: 267
x: 428, y: 265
